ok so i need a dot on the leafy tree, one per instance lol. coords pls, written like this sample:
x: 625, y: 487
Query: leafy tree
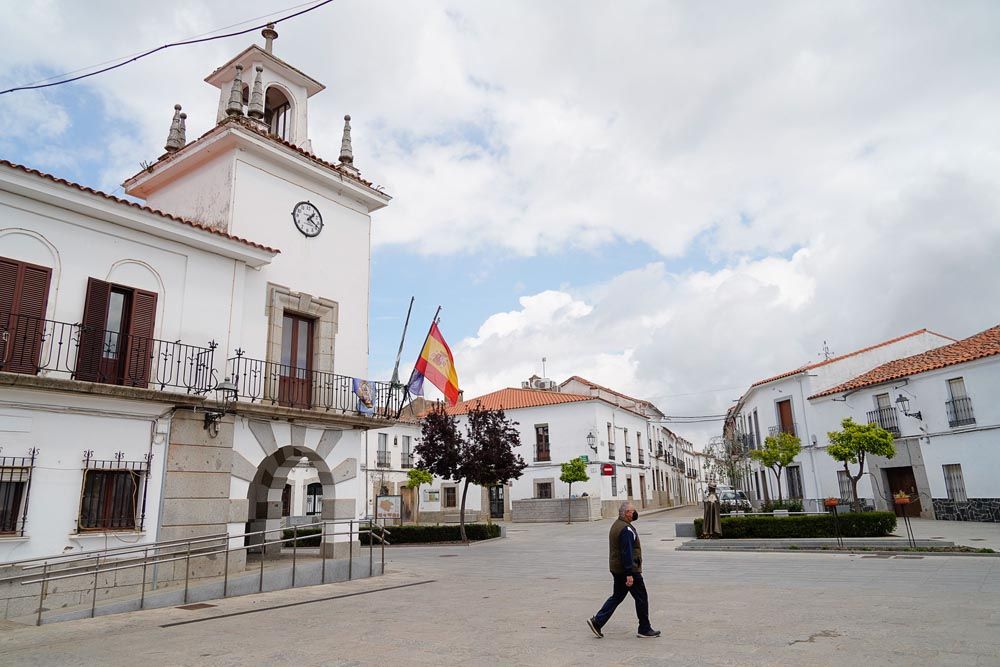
x: 483, y: 456
x: 777, y: 453
x: 414, y: 478
x: 727, y: 458
x: 853, y: 443
x: 574, y: 470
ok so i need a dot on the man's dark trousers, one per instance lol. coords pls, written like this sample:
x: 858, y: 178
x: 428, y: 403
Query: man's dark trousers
x: 638, y: 591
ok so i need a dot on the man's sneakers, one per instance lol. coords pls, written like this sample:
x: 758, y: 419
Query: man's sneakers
x: 592, y: 624
x: 648, y: 634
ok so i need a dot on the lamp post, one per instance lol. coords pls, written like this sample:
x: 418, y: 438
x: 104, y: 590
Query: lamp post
x: 592, y: 441
x: 227, y: 392
x: 904, y: 404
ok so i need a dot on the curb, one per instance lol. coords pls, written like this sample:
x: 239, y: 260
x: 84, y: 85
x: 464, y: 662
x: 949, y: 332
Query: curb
x: 838, y: 552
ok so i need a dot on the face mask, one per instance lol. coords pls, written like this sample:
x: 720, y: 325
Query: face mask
x: 635, y: 514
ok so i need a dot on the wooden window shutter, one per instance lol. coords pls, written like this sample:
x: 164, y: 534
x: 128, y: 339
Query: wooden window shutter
x: 139, y: 353
x: 24, y: 295
x: 95, y: 318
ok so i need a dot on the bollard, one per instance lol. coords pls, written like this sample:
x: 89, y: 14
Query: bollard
x: 93, y: 600
x: 295, y: 550
x: 323, y: 548
x: 142, y: 585
x: 225, y: 571
x: 382, y: 535
x: 263, y: 539
x: 41, y: 592
x: 187, y: 572
x: 371, y: 547
x: 350, y: 550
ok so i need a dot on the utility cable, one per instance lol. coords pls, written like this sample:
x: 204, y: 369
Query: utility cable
x: 150, y: 52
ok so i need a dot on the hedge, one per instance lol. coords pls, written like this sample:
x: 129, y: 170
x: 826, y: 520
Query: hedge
x: 412, y: 534
x: 307, y: 537
x: 852, y: 524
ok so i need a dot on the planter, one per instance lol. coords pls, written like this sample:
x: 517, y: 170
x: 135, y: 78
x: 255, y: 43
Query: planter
x: 901, y: 501
x: 831, y: 502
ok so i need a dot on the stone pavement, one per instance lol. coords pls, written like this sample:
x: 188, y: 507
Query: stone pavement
x: 524, y: 600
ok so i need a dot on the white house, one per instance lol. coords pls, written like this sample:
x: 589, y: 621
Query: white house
x: 942, y: 408
x: 780, y: 403
x: 122, y: 326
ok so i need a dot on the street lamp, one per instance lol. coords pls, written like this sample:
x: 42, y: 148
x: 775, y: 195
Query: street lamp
x: 228, y: 392
x: 904, y: 405
x: 592, y: 441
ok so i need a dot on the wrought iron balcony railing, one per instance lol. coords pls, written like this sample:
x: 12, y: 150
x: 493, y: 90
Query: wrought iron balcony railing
x: 642, y: 457
x: 543, y: 453
x: 791, y: 429
x: 960, y: 411
x: 382, y: 459
x: 288, y: 386
x: 748, y: 441
x: 611, y: 451
x: 886, y: 418
x: 30, y: 345
x: 628, y: 454
x: 406, y: 460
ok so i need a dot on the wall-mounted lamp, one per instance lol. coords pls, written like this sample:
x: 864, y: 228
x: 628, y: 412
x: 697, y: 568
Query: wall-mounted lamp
x: 904, y: 404
x: 592, y: 441
x: 226, y: 391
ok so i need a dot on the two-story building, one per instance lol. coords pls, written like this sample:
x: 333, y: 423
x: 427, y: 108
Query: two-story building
x: 163, y: 365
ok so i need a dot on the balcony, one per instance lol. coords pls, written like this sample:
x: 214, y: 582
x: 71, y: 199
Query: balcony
x: 611, y: 451
x: 30, y: 346
x: 543, y: 454
x: 886, y: 418
x: 680, y: 466
x: 642, y: 457
x: 786, y: 428
x: 960, y: 412
x: 628, y: 454
x: 406, y: 460
x: 382, y: 459
x: 280, y: 384
x: 747, y: 441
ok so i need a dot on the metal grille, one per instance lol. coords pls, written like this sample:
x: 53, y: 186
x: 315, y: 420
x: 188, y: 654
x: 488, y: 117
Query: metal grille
x: 885, y: 418
x: 114, y: 493
x: 15, y: 486
x: 960, y: 411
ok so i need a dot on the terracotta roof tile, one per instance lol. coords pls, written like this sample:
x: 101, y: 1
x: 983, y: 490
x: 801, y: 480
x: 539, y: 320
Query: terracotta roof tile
x: 638, y: 401
x: 808, y: 367
x: 513, y: 399
x: 140, y: 207
x: 983, y: 344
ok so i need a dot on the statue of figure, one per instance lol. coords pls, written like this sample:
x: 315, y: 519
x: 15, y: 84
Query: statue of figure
x: 711, y: 527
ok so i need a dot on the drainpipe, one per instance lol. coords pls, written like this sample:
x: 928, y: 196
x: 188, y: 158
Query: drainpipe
x: 812, y: 447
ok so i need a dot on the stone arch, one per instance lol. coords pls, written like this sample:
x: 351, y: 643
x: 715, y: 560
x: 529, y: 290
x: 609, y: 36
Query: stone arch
x: 268, y: 483
x: 279, y: 111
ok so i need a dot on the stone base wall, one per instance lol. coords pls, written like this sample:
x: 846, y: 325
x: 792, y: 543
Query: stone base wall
x: 973, y: 509
x: 451, y: 516
x: 554, y: 510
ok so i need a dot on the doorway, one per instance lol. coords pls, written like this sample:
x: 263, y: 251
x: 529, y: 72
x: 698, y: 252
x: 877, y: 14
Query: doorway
x: 903, y: 479
x: 496, y: 502
x: 295, y: 377
x: 628, y: 486
x: 642, y: 489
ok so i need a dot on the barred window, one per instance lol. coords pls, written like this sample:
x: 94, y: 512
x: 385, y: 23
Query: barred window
x: 954, y: 483
x: 844, y: 482
x: 15, y: 482
x: 114, y: 493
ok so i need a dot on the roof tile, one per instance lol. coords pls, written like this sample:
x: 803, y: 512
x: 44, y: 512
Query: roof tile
x: 983, y: 344
x: 513, y: 399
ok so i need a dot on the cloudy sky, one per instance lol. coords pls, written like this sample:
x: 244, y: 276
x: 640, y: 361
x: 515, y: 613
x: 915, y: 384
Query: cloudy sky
x: 673, y: 199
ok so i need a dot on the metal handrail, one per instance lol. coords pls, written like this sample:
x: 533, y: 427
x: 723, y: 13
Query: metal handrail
x: 103, y: 552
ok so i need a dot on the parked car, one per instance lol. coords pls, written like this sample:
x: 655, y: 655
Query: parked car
x: 734, y: 501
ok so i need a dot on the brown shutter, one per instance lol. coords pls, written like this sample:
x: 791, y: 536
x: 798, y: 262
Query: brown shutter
x: 95, y: 318
x: 139, y: 352
x: 24, y: 294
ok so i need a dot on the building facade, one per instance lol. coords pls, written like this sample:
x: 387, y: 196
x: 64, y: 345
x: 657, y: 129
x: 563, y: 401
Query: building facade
x: 166, y: 368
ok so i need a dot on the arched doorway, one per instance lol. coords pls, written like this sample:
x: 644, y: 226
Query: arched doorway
x: 267, y: 491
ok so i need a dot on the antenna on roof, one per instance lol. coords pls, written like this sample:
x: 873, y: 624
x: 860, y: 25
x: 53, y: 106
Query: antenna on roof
x: 826, y: 353
x: 543, y: 367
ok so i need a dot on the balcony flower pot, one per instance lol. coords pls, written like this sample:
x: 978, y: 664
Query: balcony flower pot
x: 831, y: 502
x: 901, y: 500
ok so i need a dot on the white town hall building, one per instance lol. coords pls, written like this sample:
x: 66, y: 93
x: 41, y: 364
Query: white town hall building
x: 165, y: 365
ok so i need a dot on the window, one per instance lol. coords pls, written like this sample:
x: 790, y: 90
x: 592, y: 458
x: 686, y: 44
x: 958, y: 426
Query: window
x: 294, y: 371
x: 286, y: 500
x: 786, y: 423
x: 277, y: 113
x: 116, y: 335
x: 959, y: 405
x: 956, y: 388
x: 314, y: 498
x: 114, y: 493
x: 382, y: 460
x: 542, y: 443
x: 882, y: 401
x: 15, y: 475
x: 543, y: 489
x: 407, y: 455
x: 844, y: 482
x: 614, y: 485
x: 24, y: 294
x: 954, y: 483
x: 450, y: 496
x: 794, y: 479
x: 756, y: 430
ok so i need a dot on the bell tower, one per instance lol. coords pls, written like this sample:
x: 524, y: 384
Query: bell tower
x: 260, y: 86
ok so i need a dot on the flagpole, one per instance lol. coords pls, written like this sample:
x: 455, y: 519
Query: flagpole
x: 434, y: 321
x: 399, y: 353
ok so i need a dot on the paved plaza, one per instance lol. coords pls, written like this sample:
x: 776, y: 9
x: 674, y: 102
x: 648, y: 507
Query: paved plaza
x: 524, y: 600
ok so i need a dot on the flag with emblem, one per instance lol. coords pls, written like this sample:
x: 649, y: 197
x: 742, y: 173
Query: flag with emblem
x: 436, y: 364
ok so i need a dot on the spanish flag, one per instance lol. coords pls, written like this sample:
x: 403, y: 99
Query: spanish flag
x: 437, y: 365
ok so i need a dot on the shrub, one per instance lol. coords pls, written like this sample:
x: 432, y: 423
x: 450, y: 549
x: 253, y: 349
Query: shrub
x: 307, y: 537
x: 428, y: 534
x: 852, y: 524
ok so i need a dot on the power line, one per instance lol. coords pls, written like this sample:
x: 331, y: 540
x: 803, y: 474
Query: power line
x: 150, y: 52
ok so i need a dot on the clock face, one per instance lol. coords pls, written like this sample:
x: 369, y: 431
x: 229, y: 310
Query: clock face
x: 307, y: 218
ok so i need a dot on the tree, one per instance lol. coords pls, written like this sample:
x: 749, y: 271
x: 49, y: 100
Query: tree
x: 777, y: 453
x: 853, y: 443
x: 573, y: 471
x: 483, y: 456
x: 414, y: 478
x: 727, y: 457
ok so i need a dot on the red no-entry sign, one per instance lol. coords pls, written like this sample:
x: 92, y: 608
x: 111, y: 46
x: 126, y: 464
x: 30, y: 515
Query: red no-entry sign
x: 607, y: 469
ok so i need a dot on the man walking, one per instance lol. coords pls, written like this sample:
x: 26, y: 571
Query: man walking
x: 625, y: 559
